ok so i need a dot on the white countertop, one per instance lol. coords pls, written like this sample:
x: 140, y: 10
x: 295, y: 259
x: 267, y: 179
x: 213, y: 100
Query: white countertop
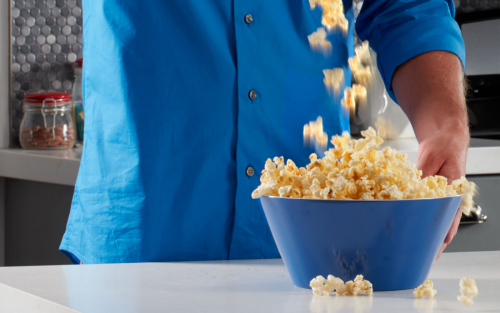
x: 56, y: 166
x: 228, y: 286
x: 61, y: 167
x: 483, y: 156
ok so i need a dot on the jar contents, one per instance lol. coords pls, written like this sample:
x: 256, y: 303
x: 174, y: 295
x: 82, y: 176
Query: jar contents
x: 47, y: 121
x: 62, y: 136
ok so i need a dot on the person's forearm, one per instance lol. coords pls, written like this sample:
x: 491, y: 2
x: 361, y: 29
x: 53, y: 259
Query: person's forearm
x: 430, y: 90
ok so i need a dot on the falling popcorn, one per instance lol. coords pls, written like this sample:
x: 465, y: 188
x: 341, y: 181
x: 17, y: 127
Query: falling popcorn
x: 319, y: 43
x: 468, y: 289
x: 470, y: 190
x: 348, y: 102
x: 359, y: 91
x: 426, y: 289
x: 333, y: 14
x: 352, y: 96
x: 313, y: 3
x: 384, y: 127
x: 313, y: 133
x: 354, y: 170
x: 334, y: 80
x: 362, y: 74
x: 363, y: 53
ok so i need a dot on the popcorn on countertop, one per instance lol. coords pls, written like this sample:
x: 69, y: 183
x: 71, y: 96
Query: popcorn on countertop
x: 324, y: 287
x: 426, y: 289
x: 355, y: 170
x: 468, y: 289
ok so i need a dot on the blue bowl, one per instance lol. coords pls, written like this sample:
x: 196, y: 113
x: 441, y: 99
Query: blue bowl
x: 392, y: 243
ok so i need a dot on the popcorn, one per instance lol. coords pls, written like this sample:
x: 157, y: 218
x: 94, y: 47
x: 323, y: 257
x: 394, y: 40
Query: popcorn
x: 426, y: 289
x: 359, y: 286
x: 363, y: 53
x: 313, y: 3
x: 319, y: 43
x: 385, y: 128
x: 468, y: 289
x: 321, y: 286
x: 324, y: 287
x: 348, y: 102
x: 334, y: 80
x: 333, y: 14
x: 318, y: 285
x: 360, y: 65
x: 353, y: 95
x: 469, y: 190
x: 313, y: 132
x: 357, y: 170
x: 359, y: 91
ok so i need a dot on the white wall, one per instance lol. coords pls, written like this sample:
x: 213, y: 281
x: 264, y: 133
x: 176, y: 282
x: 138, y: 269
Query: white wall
x: 4, y: 73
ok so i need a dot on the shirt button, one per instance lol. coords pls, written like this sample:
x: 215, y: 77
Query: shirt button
x: 250, y: 171
x: 252, y: 94
x: 248, y: 18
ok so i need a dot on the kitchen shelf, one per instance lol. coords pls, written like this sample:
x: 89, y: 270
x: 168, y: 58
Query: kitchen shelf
x: 61, y: 167
x: 48, y: 166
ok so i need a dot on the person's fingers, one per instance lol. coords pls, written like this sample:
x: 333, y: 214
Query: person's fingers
x: 427, y: 162
x: 454, y: 227
x: 441, y: 251
x: 452, y: 169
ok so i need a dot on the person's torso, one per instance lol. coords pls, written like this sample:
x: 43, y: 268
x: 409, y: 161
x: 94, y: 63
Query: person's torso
x: 170, y: 127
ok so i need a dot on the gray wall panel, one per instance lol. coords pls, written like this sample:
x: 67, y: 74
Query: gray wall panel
x: 485, y: 236
x: 35, y: 221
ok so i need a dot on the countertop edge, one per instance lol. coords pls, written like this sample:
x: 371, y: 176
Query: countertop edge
x: 61, y: 167
x: 43, y: 166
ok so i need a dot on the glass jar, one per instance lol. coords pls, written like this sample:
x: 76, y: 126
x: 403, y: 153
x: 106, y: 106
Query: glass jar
x: 47, y: 122
x: 77, y: 97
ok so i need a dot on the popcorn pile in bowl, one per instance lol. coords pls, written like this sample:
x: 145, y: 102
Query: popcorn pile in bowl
x: 354, y: 170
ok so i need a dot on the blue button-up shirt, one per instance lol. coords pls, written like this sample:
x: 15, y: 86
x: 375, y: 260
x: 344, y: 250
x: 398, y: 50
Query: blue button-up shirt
x: 170, y: 127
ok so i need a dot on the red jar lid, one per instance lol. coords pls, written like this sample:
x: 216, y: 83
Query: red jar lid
x: 79, y: 63
x: 50, y: 98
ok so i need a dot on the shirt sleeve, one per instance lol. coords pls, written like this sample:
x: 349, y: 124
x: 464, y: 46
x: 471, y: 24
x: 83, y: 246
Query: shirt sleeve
x: 399, y: 30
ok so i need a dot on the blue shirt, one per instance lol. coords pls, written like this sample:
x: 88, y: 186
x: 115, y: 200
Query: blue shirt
x: 170, y: 127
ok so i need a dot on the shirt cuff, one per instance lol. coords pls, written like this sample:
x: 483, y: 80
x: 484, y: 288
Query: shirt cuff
x: 416, y: 37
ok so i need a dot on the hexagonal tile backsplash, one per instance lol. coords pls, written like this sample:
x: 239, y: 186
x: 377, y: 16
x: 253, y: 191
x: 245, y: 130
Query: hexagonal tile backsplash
x: 46, y: 41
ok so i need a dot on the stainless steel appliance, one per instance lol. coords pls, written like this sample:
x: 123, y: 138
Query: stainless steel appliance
x: 481, y: 33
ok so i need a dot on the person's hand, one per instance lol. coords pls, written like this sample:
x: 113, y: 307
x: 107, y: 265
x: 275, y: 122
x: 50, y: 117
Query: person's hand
x: 430, y: 90
x: 445, y: 154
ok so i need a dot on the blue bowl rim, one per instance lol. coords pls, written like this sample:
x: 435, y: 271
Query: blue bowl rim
x: 351, y: 200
